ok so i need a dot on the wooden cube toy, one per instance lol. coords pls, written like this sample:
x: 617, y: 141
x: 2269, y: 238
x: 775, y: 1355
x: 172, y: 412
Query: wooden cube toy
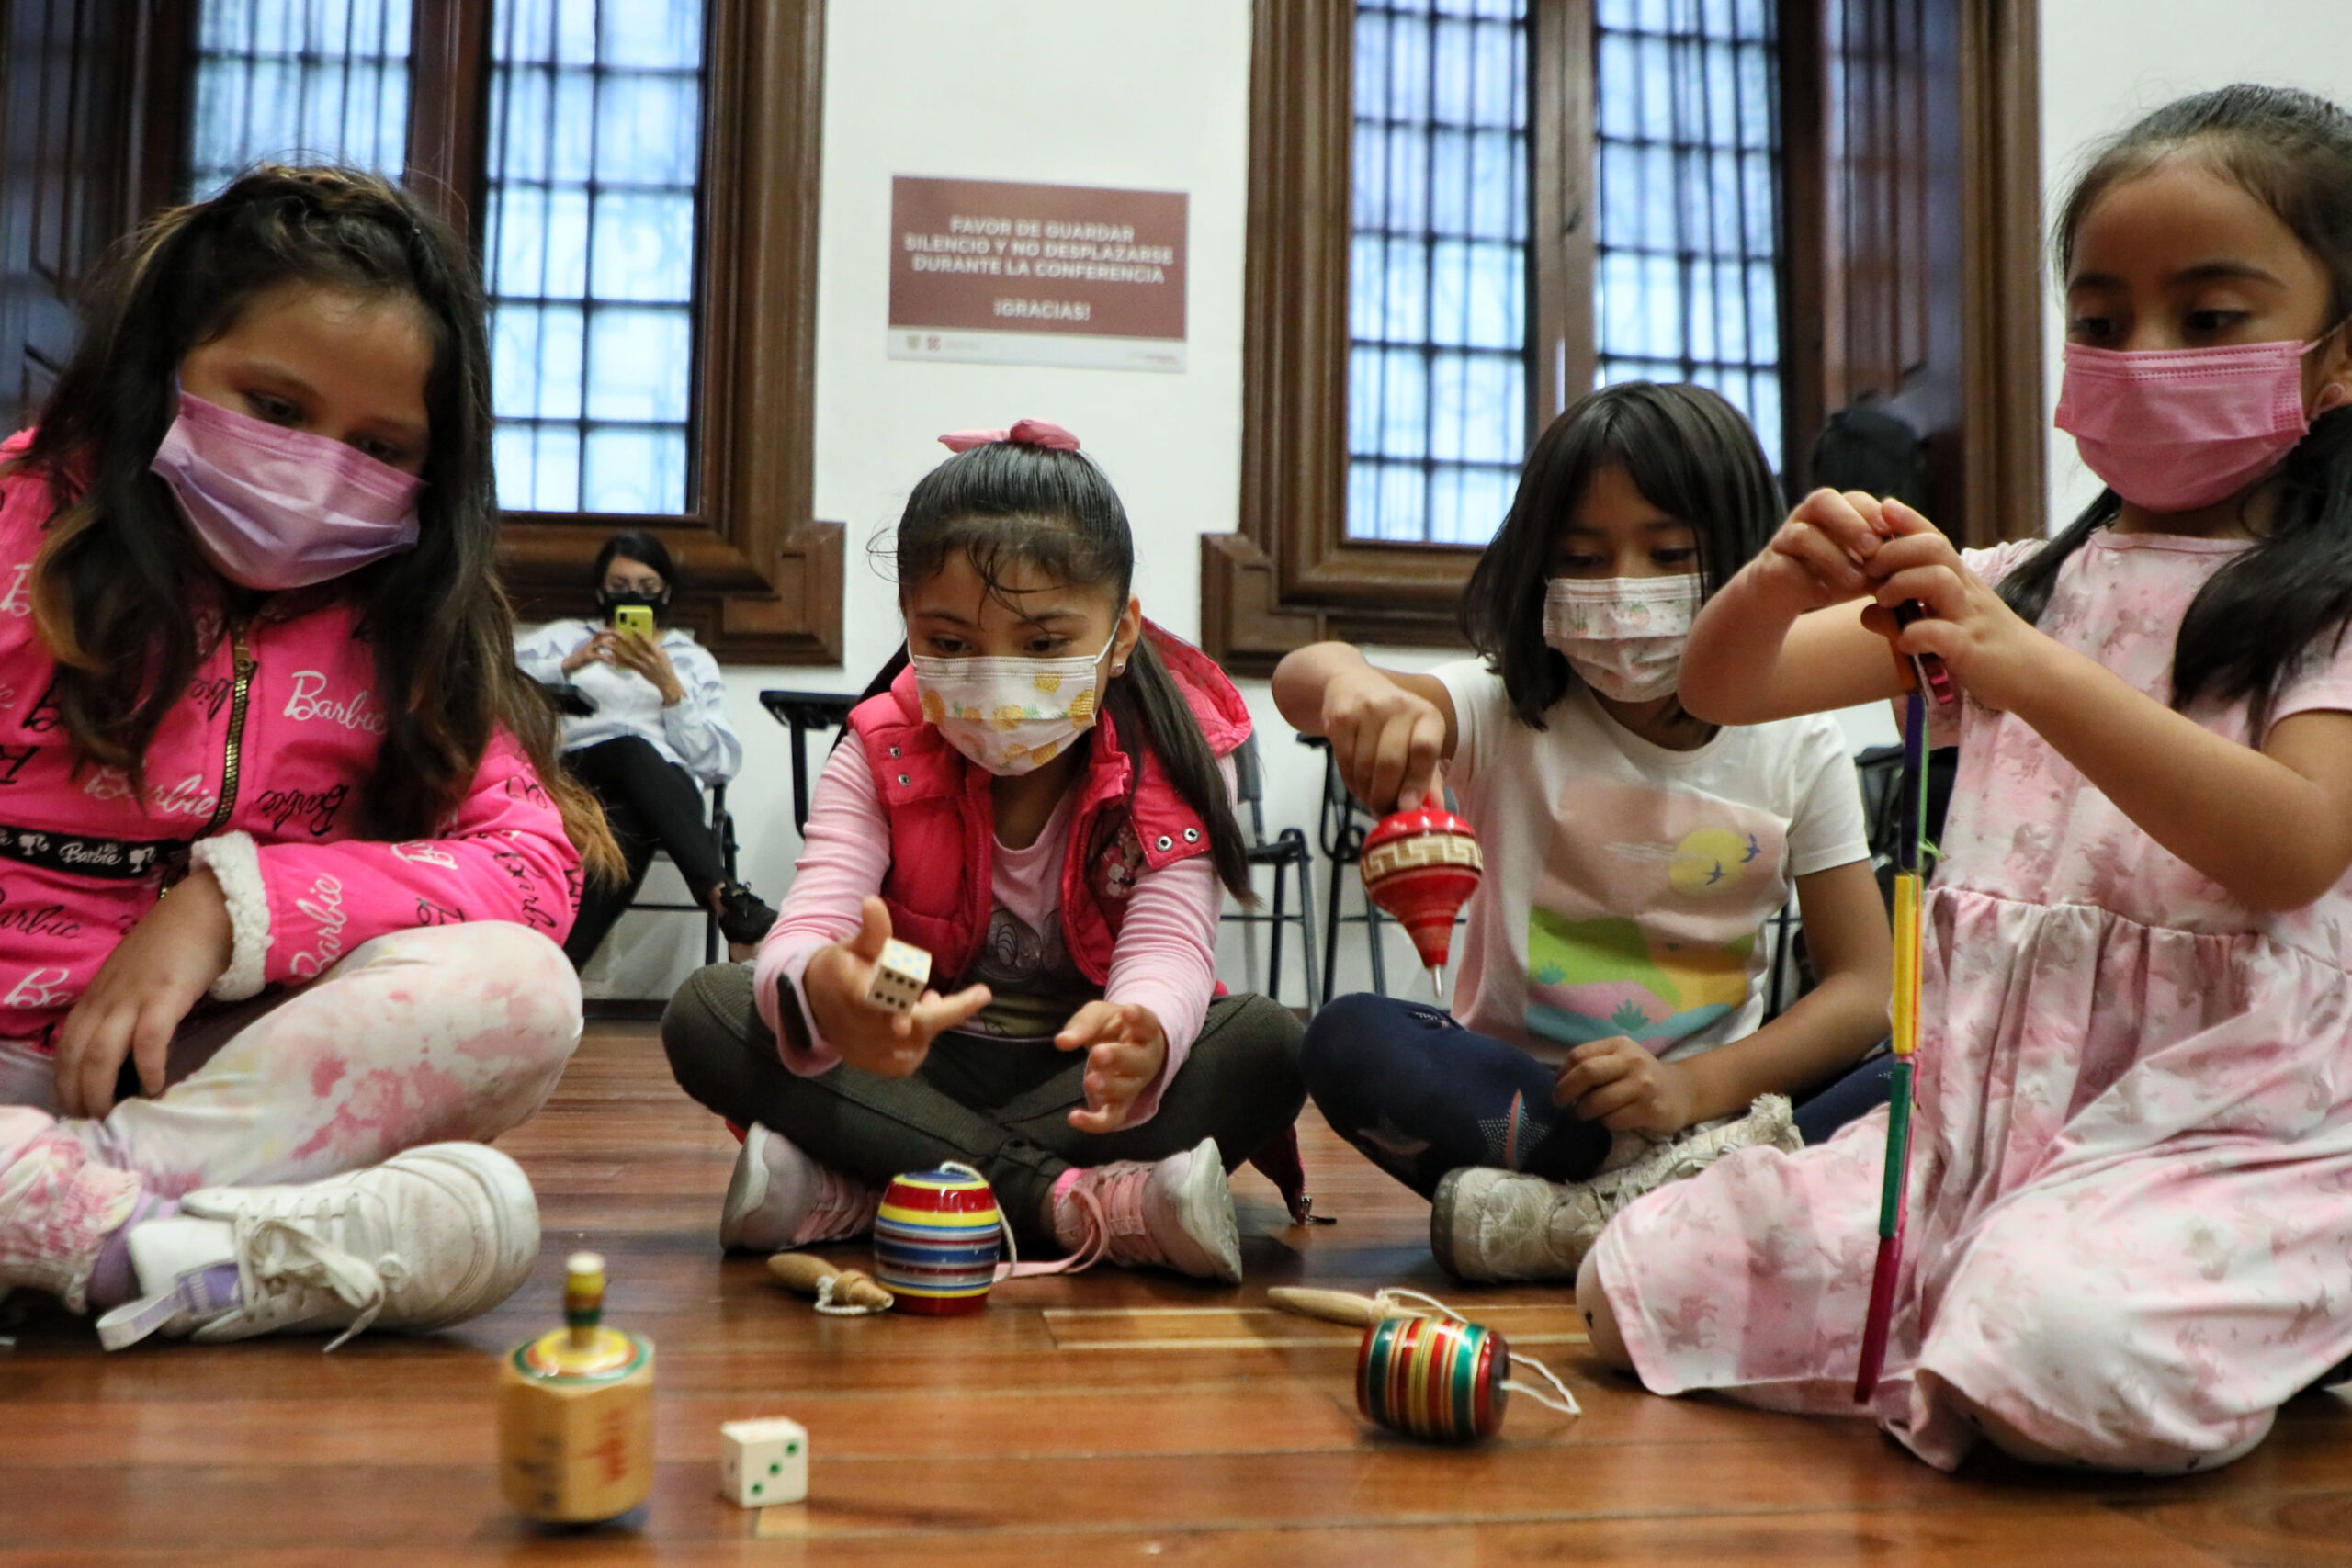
x: 899, y: 976
x: 763, y: 1461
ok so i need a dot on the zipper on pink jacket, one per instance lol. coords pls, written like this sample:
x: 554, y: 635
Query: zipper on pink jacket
x: 245, y: 664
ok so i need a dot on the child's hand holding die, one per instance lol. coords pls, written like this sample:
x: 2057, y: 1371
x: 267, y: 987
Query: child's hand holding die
x: 899, y: 976
x: 869, y: 998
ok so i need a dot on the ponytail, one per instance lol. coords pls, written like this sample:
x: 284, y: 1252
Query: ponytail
x: 1149, y: 710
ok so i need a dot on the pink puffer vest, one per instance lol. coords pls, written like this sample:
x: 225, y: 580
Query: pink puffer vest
x: 942, y: 822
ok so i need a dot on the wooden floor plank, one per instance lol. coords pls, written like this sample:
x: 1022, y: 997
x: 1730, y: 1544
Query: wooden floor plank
x: 1940, y: 1538
x: 1116, y: 1416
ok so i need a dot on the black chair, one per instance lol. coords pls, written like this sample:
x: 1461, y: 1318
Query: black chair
x: 1285, y: 851
x: 722, y: 830
x: 1340, y: 827
x: 806, y: 713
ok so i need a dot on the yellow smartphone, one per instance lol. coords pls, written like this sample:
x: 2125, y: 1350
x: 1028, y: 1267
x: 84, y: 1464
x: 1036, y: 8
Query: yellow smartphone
x: 638, y: 619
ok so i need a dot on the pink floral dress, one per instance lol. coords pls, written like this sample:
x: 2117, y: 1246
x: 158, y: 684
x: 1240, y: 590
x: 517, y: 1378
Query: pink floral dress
x: 2130, y: 1229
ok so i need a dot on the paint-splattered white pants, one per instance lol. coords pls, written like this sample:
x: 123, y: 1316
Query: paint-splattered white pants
x: 421, y: 1036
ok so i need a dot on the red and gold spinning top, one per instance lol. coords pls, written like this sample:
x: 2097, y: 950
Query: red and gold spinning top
x: 1421, y: 867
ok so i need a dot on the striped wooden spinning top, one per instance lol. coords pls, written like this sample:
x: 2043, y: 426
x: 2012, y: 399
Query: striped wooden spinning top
x: 935, y: 1241
x: 1434, y: 1380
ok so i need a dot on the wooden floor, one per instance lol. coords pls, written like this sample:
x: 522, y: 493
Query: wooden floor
x: 1115, y: 1417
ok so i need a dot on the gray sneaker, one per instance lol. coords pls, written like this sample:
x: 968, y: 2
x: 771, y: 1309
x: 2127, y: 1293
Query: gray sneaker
x: 1489, y: 1224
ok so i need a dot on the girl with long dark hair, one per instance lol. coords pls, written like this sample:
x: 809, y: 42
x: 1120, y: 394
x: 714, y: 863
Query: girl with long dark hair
x: 2129, y: 1236
x: 283, y: 849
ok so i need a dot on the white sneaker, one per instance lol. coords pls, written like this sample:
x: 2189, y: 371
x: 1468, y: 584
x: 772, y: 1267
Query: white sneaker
x: 1490, y: 1225
x: 430, y: 1237
x: 779, y: 1198
x: 1173, y: 1213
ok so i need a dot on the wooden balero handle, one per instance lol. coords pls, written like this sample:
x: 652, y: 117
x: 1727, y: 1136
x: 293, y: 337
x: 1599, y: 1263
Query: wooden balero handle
x: 1336, y: 1306
x: 807, y: 1273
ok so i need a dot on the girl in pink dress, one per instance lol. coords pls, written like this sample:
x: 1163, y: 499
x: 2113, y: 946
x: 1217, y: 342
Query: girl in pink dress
x: 2131, y: 1231
x: 283, y: 855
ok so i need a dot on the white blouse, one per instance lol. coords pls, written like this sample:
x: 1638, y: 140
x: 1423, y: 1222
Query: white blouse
x: 693, y: 732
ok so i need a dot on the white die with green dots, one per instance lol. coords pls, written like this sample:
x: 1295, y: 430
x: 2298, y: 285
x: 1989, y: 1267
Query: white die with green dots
x: 763, y: 1461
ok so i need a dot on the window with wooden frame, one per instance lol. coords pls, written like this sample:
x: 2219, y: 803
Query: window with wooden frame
x: 639, y: 178
x: 1464, y: 213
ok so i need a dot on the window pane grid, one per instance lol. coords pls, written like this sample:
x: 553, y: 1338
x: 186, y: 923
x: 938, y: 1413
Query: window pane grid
x: 298, y: 81
x: 1686, y: 265
x: 591, y: 235
x: 1438, y: 309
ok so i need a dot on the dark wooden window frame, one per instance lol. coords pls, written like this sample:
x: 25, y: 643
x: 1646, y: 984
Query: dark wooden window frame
x: 761, y: 576
x: 1290, y: 575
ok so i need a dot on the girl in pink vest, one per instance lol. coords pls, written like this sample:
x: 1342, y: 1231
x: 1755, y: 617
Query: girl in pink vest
x: 1036, y: 793
x: 283, y: 858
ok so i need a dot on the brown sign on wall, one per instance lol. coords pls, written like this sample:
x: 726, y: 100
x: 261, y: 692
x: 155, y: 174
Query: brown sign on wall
x: 988, y: 272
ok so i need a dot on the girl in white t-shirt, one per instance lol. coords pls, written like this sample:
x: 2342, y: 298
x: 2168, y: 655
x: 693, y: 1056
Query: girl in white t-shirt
x: 1611, y: 979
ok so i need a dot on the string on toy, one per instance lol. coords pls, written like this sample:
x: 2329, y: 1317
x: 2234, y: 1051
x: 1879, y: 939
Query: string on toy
x: 1012, y: 1265
x: 1894, y: 1195
x: 832, y: 1308
x: 1012, y: 1268
x: 1396, y: 1295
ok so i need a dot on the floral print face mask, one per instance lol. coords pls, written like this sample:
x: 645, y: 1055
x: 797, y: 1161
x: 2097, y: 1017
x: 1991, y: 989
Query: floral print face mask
x: 1010, y: 715
x: 1622, y: 635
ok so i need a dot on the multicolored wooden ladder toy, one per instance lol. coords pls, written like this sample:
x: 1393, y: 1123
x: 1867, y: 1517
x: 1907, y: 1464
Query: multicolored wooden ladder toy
x: 1894, y: 1195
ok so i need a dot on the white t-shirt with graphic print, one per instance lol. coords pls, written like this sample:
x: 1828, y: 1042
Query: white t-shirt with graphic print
x: 1627, y: 886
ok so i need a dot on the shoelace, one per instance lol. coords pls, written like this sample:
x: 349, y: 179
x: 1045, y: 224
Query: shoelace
x: 275, y: 1255
x: 1101, y: 1193
x: 1111, y: 1198
x: 1398, y: 1295
x: 1088, y: 1252
x: 1678, y: 1158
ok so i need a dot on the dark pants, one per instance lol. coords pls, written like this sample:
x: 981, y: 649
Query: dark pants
x: 1421, y: 1096
x: 652, y: 803
x: 1001, y: 1108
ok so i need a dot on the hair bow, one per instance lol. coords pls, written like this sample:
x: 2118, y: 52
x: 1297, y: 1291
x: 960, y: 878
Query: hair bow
x: 1027, y: 432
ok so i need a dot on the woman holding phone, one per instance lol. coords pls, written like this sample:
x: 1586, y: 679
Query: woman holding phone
x: 644, y: 729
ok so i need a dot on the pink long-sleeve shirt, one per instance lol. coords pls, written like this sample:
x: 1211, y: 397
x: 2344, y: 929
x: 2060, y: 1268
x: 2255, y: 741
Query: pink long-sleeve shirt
x: 1165, y: 958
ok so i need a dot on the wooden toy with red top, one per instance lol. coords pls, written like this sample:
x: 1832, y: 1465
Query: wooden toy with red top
x: 1421, y: 867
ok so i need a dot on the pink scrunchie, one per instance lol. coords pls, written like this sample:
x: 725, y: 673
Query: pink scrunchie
x: 1027, y: 432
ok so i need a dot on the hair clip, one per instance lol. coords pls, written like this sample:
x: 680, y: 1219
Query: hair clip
x: 1025, y: 433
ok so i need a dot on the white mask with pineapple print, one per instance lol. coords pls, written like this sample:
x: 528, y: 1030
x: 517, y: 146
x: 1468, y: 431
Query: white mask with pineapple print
x: 1010, y: 714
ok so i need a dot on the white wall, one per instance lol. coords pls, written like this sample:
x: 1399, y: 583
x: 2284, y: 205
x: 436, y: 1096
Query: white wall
x: 2106, y: 62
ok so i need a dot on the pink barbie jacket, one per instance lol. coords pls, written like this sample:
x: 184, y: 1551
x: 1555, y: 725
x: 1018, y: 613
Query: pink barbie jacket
x: 256, y: 773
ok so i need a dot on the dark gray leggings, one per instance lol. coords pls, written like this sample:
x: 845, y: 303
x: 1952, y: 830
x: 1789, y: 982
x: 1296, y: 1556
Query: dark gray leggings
x: 1001, y: 1108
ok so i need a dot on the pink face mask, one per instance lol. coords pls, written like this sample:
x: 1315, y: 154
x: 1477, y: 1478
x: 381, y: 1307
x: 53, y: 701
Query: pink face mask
x: 2173, y: 430
x: 277, y: 508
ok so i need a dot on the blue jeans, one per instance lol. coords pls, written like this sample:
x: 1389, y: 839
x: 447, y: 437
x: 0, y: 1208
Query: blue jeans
x: 1419, y: 1095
